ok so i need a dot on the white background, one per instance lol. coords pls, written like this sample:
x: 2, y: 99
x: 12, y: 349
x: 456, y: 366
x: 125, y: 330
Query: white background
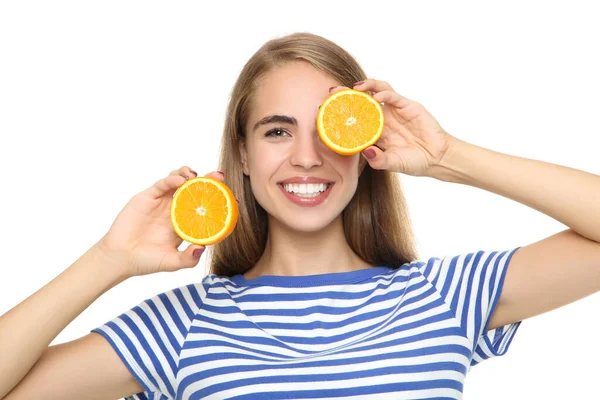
x: 98, y: 100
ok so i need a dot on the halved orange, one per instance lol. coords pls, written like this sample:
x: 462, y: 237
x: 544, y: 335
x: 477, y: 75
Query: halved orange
x: 349, y: 121
x: 204, y: 211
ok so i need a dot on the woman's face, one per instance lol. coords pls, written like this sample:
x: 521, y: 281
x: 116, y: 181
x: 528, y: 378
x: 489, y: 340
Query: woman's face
x: 288, y: 148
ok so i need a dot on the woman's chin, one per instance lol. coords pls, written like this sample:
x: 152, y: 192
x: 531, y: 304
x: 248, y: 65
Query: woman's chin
x: 305, y: 223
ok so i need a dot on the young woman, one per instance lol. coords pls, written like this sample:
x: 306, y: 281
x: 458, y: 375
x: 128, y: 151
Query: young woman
x: 318, y: 293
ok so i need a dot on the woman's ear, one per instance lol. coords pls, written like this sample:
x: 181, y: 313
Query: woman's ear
x: 244, y: 157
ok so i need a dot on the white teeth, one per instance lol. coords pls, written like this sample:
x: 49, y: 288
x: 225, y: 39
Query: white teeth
x: 310, y: 189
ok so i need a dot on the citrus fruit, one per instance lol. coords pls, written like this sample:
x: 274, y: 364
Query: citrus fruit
x: 203, y: 211
x: 349, y: 121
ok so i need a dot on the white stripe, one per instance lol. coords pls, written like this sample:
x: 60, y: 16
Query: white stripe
x: 460, y: 282
x: 144, y: 356
x: 349, y: 287
x: 471, y: 303
x: 323, y: 385
x: 443, y: 266
x: 320, y: 347
x: 156, y: 327
x: 320, y: 317
x: 179, y: 310
x: 123, y: 350
x: 434, y: 270
x: 405, y: 395
x: 326, y: 372
x: 324, y: 349
x: 187, y: 295
x: 418, y: 360
x: 302, y: 304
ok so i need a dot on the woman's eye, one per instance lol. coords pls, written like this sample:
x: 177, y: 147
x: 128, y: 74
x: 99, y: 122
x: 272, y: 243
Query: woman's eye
x: 277, y: 132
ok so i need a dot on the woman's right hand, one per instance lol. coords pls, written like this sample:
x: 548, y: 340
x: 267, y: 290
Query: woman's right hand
x: 141, y: 239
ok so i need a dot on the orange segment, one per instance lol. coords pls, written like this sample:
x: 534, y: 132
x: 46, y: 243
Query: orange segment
x: 349, y: 121
x: 203, y: 211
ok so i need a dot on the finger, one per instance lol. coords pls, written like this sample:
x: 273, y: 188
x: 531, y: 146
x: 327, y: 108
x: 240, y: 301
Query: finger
x: 379, y: 160
x: 176, y: 260
x: 372, y: 85
x: 189, y: 173
x: 392, y: 98
x: 335, y: 89
x: 186, y: 172
x: 218, y: 175
x: 169, y: 185
x: 166, y: 186
x: 177, y: 178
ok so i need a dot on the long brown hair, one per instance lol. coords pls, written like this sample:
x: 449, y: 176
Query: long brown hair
x: 376, y: 221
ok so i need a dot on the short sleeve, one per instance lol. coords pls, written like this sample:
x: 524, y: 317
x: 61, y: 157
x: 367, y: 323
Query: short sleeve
x: 471, y: 285
x: 148, y: 338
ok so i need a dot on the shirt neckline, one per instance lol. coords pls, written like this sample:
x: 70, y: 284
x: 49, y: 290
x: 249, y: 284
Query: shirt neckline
x: 311, y: 280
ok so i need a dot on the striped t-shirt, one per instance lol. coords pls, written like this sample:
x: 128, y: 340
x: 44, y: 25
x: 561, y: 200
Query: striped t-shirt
x: 379, y: 333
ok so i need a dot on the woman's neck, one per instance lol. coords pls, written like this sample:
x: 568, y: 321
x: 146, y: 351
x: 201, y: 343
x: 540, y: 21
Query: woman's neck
x: 293, y: 253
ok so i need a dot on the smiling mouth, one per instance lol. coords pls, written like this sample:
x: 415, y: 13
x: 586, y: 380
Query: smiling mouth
x: 306, y: 190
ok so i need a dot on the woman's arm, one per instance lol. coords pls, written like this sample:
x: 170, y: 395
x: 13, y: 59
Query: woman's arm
x: 28, y: 328
x: 556, y: 270
x: 140, y: 241
x: 542, y: 276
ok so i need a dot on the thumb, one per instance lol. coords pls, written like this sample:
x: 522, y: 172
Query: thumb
x: 184, y: 259
x: 376, y: 158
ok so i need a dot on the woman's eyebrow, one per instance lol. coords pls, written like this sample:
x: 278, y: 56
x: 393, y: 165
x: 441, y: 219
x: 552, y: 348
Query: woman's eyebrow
x: 270, y: 119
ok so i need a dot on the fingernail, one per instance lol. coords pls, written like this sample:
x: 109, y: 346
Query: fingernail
x: 198, y: 252
x: 193, y: 172
x: 369, y: 153
x: 359, y: 83
x: 221, y: 172
x: 333, y: 87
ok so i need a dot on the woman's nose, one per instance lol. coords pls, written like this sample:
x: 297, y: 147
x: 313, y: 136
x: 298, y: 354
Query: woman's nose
x: 306, y: 150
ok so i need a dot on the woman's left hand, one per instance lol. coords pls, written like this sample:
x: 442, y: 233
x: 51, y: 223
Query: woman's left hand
x: 412, y: 141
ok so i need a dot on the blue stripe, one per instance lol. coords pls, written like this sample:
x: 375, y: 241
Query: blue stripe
x: 333, y: 294
x: 475, y: 270
x: 133, y: 352
x: 405, y: 354
x: 320, y: 340
x: 208, y: 343
x: 307, y: 310
x: 445, y: 332
x: 184, y: 304
x: 192, y: 288
x: 166, y: 326
x: 173, y: 313
x: 148, y: 324
x: 360, y: 390
x: 348, y: 351
x: 144, y: 343
x: 317, y: 324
